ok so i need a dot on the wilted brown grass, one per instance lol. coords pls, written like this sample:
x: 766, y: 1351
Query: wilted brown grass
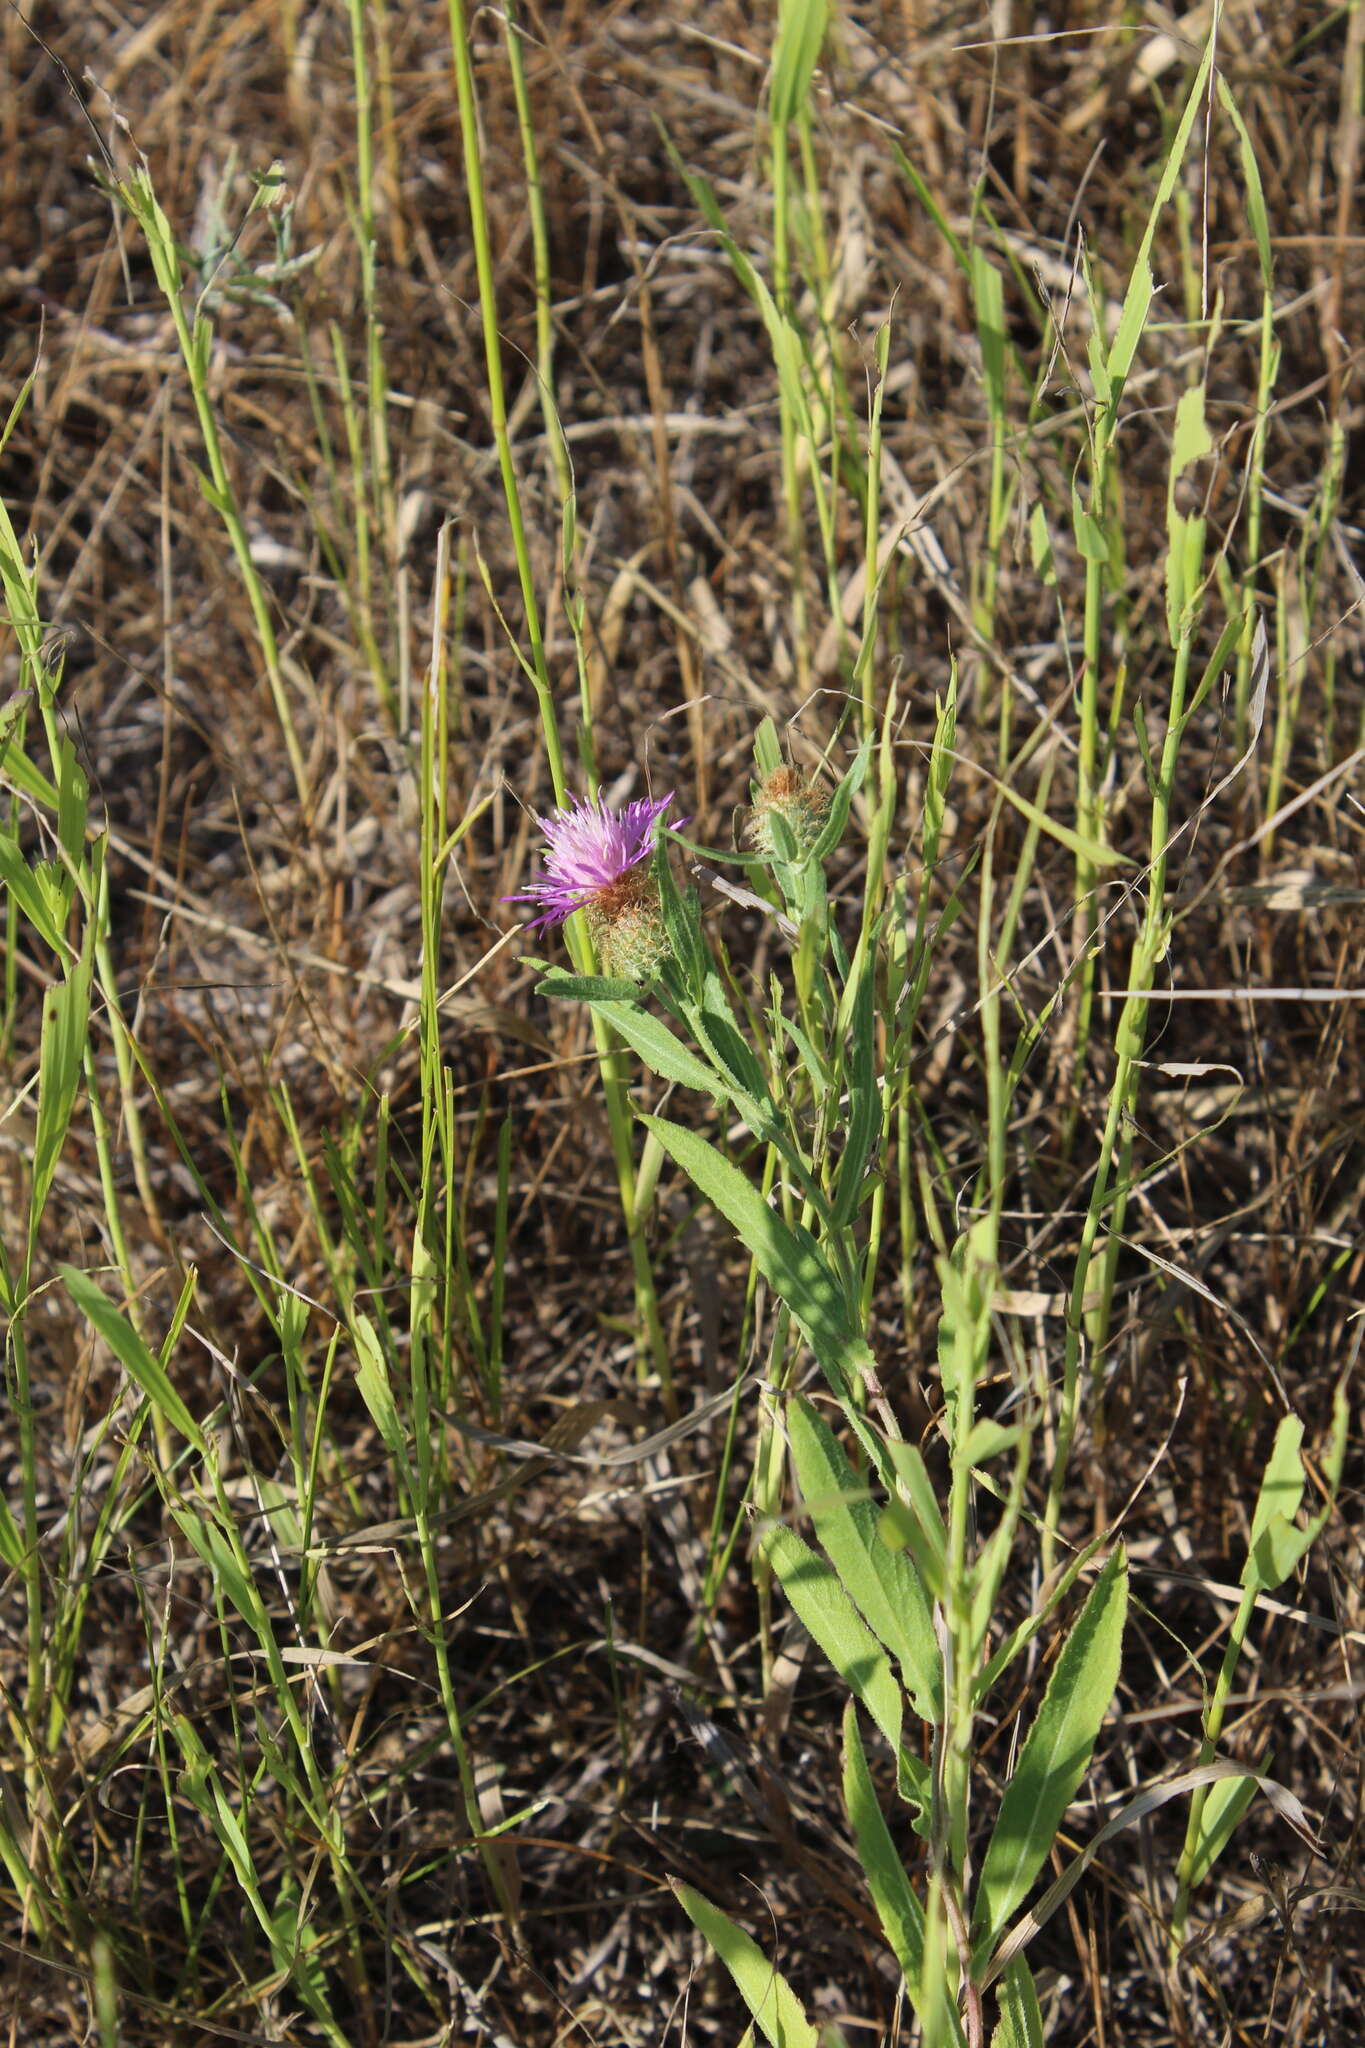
x: 270, y: 956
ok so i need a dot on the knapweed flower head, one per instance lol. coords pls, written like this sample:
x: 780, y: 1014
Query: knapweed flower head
x: 800, y: 804
x: 597, y: 861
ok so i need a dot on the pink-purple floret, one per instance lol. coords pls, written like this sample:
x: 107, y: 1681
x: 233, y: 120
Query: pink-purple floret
x: 590, y: 847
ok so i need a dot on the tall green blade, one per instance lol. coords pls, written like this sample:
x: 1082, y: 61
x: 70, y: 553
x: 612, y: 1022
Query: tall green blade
x: 1054, y: 1756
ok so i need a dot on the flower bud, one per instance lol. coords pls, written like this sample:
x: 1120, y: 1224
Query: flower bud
x: 800, y: 804
x: 627, y: 927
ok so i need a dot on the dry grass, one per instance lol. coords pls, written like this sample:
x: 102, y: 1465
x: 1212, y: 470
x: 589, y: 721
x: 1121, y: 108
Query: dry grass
x: 272, y: 959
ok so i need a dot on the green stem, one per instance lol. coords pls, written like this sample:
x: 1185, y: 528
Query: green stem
x: 196, y: 342
x: 1129, y: 1039
x: 497, y: 401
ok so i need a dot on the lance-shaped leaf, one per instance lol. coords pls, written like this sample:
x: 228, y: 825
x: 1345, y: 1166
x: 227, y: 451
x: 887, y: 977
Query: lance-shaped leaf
x: 1054, y: 1756
x: 898, y: 1909
x: 662, y: 1051
x: 864, y: 1098
x: 786, y: 1254
x: 143, y: 1368
x: 778, y: 2012
x: 66, y: 1015
x: 1277, y: 1542
x: 882, y: 1582
x: 801, y: 26
x: 829, y: 1616
x: 1021, y: 2022
x: 586, y: 988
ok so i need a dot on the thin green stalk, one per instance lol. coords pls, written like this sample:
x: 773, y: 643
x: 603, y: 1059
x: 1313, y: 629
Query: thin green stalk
x: 780, y: 175
x: 865, y: 667
x: 615, y: 1072
x: 1088, y: 808
x: 497, y: 401
x: 1267, y: 372
x: 1129, y: 1040
x: 196, y: 344
x: 540, y: 256
x: 360, y: 606
x: 378, y: 464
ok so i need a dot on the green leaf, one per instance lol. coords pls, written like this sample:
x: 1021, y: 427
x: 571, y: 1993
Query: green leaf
x: 1184, y: 535
x: 1040, y: 546
x: 1282, y: 1481
x: 725, y: 1042
x: 777, y: 2010
x: 1054, y: 1757
x: 376, y: 1391
x: 801, y: 26
x: 66, y: 1015
x: 73, y: 796
x: 1138, y: 297
x: 988, y: 293
x: 1251, y: 178
x: 586, y: 988
x: 915, y: 1522
x: 810, y: 1058
x: 786, y: 1254
x: 15, y: 766
x: 1137, y: 303
x: 832, y: 831
x: 857, y: 1030
x: 941, y: 763
x: 18, y: 772
x: 1094, y: 850
x: 1091, y: 538
x: 11, y: 1537
x: 987, y: 1440
x: 44, y: 893
x: 661, y: 1050
x: 828, y: 1615
x: 143, y: 1368
x: 1228, y: 1799
x: 767, y: 752
x: 1021, y: 2022
x: 898, y: 1909
x: 210, y: 1544
x: 16, y: 410
x: 1277, y: 1543
x: 883, y: 1583
x: 682, y: 922
x: 928, y: 199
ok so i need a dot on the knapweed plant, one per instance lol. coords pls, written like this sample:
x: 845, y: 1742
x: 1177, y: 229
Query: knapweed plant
x: 901, y: 1587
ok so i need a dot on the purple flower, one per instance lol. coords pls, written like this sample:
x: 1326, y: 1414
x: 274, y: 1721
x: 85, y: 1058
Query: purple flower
x: 592, y: 851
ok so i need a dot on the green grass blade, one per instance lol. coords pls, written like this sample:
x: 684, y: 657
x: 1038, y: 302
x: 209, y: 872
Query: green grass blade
x: 1138, y: 298
x: 801, y: 26
x: 145, y: 1370
x: 1227, y: 1801
x: 66, y: 1015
